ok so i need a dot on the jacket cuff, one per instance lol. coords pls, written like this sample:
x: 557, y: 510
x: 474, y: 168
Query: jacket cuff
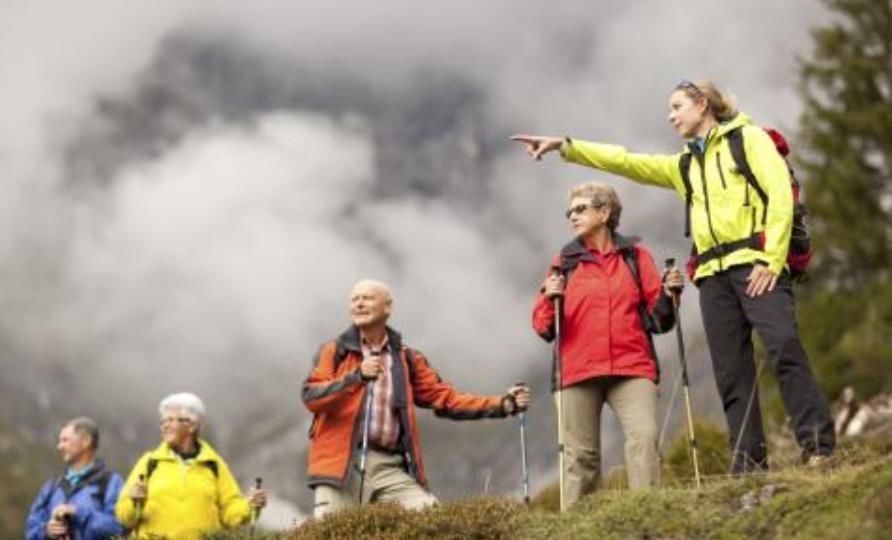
x: 356, y: 377
x: 663, y: 314
x: 508, y: 398
x: 566, y: 147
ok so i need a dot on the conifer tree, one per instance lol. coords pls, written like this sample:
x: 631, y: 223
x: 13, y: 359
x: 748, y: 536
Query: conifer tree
x: 845, y: 160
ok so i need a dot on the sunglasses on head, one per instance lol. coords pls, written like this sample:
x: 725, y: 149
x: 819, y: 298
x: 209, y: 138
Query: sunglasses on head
x: 688, y: 85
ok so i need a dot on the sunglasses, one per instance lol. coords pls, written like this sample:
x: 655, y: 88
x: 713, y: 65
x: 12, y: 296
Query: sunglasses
x: 688, y: 85
x: 180, y: 420
x: 580, y: 208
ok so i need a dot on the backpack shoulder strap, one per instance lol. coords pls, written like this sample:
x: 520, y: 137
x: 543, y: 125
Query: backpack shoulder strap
x: 630, y: 256
x: 340, y: 354
x: 101, y: 483
x: 735, y: 143
x: 684, y: 167
x: 410, y: 361
x: 151, y: 465
x: 213, y: 466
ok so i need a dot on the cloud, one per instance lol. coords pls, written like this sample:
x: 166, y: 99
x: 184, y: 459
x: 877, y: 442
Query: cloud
x: 188, y: 189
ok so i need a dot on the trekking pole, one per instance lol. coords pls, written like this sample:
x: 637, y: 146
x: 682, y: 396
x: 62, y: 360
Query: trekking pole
x: 559, y: 380
x: 743, y: 425
x: 66, y: 519
x: 255, y: 512
x: 685, y: 383
x: 366, y: 425
x: 138, y: 507
x: 525, y: 471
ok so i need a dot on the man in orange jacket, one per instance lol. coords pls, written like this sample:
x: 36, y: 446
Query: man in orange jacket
x: 371, y: 356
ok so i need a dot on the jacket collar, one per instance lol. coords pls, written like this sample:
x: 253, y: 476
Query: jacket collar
x: 349, y: 339
x: 576, y: 248
x: 719, y: 131
x: 206, y: 452
x: 96, y: 471
x: 575, y: 251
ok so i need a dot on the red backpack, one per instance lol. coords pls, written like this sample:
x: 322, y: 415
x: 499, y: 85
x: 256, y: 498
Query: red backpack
x: 799, y: 253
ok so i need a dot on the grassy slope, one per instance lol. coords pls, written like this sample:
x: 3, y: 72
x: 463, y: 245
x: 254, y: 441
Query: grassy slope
x: 849, y: 498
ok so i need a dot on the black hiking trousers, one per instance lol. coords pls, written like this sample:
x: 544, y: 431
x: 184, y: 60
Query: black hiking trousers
x: 729, y: 317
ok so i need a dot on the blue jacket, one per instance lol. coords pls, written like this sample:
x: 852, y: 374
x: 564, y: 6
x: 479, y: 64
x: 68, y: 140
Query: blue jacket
x: 94, y: 498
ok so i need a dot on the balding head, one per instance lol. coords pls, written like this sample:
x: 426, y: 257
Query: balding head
x: 370, y: 303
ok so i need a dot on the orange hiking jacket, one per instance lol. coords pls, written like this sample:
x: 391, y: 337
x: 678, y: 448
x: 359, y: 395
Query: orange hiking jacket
x: 334, y: 392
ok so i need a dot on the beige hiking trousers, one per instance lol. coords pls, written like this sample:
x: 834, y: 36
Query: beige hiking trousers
x: 386, y: 481
x: 634, y: 401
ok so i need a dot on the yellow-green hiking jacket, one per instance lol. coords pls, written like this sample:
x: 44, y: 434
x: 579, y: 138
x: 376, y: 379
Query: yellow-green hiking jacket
x: 185, y: 498
x: 724, y: 207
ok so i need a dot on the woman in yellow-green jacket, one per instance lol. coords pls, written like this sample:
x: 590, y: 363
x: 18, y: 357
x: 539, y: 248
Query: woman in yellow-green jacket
x: 741, y: 247
x: 183, y: 489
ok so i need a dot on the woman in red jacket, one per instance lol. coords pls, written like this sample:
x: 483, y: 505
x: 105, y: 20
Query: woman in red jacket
x: 613, y: 299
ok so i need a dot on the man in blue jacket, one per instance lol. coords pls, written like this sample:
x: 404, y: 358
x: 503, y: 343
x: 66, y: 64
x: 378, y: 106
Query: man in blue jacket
x: 80, y: 504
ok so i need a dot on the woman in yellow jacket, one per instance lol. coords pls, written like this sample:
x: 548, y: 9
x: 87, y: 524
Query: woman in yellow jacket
x: 183, y: 489
x: 741, y: 245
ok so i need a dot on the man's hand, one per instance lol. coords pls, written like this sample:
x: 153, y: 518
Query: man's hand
x: 537, y: 146
x: 673, y: 281
x: 370, y: 367
x: 139, y: 492
x: 57, y: 526
x: 553, y: 286
x: 256, y: 498
x: 517, y: 399
x: 62, y: 510
x: 760, y: 281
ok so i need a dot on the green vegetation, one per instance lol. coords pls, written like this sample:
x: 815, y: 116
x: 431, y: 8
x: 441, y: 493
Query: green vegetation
x: 849, y: 497
x: 27, y: 464
x: 845, y: 162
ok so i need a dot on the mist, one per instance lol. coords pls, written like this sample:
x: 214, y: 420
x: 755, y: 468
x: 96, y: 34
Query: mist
x: 188, y: 190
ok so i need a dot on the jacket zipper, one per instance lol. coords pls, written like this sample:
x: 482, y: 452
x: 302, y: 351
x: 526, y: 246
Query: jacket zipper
x: 715, y: 239
x: 718, y: 161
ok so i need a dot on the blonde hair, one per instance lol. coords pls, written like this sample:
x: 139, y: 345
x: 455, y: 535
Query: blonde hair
x: 600, y: 195
x: 723, y: 107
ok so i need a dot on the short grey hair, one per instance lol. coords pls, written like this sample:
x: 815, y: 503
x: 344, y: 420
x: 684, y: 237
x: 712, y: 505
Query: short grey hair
x: 187, y: 402
x: 83, y: 425
x: 601, y: 195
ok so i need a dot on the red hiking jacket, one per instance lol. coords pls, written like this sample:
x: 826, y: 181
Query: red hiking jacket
x: 603, y: 334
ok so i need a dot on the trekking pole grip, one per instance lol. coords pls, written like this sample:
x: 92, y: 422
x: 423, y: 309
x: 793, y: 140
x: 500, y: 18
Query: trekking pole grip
x: 519, y: 408
x: 670, y: 265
